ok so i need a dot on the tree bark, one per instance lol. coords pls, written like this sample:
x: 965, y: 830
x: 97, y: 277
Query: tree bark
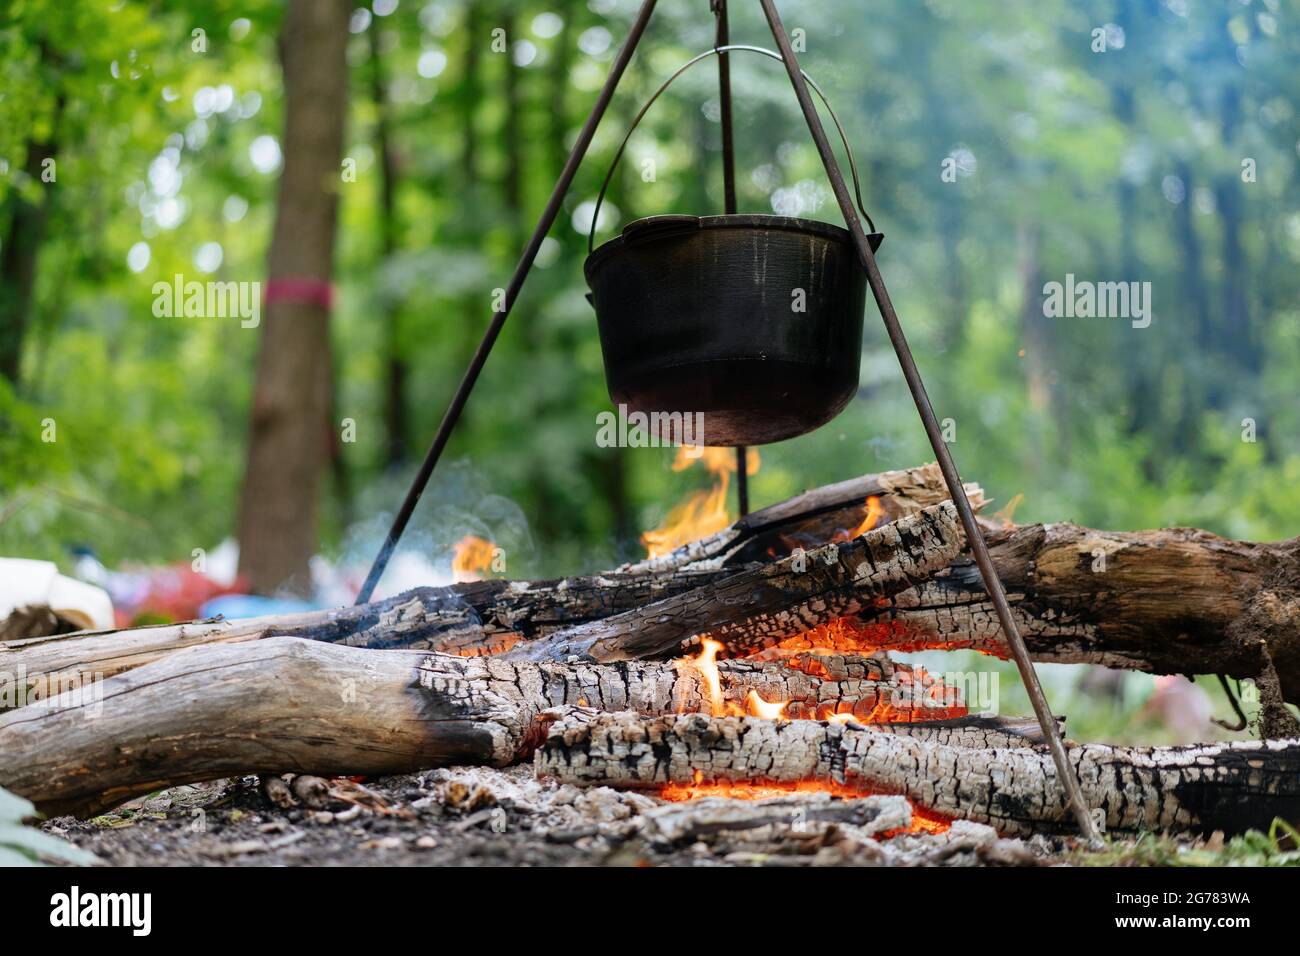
x: 1230, y: 787
x: 18, y: 257
x: 1176, y: 601
x: 395, y: 369
x: 291, y: 398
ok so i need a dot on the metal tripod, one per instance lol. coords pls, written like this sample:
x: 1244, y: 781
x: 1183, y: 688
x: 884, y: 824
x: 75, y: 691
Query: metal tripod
x: 1068, y: 779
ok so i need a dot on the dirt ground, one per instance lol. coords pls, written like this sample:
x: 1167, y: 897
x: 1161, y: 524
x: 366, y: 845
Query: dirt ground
x: 478, y: 817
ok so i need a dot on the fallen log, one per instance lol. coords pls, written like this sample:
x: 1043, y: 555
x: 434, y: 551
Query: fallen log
x: 290, y: 705
x: 1230, y: 787
x: 1171, y: 601
x: 775, y: 600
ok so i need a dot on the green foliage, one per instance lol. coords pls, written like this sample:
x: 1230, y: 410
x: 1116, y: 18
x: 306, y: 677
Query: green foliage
x: 24, y: 846
x: 1116, y: 165
x: 1277, y: 847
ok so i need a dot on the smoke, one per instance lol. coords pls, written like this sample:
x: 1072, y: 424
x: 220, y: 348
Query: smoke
x: 457, y: 503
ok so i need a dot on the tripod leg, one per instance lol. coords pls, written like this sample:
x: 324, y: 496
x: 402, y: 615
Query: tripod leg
x: 978, y: 548
x: 544, y: 224
x: 721, y: 38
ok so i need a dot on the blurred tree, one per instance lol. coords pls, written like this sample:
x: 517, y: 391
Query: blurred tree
x: 291, y: 430
x: 26, y: 229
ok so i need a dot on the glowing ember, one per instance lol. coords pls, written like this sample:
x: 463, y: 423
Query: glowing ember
x: 923, y: 820
x: 488, y: 646
x: 701, y: 513
x: 471, y: 556
x: 851, y: 635
x: 744, y: 790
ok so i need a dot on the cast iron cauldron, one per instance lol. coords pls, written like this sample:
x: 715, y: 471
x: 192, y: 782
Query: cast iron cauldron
x: 753, y: 320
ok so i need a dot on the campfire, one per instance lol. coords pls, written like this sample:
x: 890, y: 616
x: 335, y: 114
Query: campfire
x: 471, y: 557
x: 745, y: 681
x: 701, y: 513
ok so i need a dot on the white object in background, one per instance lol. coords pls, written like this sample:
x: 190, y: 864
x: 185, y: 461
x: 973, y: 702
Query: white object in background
x: 26, y: 583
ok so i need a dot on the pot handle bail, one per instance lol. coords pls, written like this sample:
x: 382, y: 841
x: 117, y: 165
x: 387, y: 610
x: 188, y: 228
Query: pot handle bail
x: 729, y: 48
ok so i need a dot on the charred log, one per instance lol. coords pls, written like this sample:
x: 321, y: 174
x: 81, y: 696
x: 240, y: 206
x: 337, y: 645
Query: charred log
x: 1230, y: 787
x: 1172, y: 601
x: 288, y: 705
x: 485, y: 617
x: 779, y: 599
x: 811, y: 519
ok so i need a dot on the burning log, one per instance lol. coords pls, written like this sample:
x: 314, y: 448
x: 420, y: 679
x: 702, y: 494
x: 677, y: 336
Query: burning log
x: 812, y: 518
x: 775, y: 819
x: 976, y: 731
x: 289, y: 705
x: 775, y: 600
x: 1174, y: 601
x: 489, y: 616
x: 1230, y: 787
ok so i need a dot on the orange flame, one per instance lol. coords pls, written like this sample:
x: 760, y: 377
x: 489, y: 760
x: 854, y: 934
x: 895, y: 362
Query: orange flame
x: 706, y: 665
x: 875, y: 511
x: 472, y: 555
x: 700, y: 513
x: 758, y: 707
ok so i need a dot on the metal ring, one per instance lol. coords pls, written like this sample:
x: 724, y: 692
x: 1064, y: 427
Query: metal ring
x: 734, y: 47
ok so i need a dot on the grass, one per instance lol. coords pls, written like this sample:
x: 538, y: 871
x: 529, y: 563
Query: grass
x: 1280, y: 846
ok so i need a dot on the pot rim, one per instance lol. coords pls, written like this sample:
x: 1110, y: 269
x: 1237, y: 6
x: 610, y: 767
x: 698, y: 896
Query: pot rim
x: 686, y: 224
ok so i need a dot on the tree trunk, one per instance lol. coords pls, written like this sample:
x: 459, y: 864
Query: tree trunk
x: 291, y: 398
x: 395, y: 428
x: 19, y: 254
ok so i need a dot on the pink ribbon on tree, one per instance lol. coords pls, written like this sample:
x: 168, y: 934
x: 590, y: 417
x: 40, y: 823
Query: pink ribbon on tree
x: 300, y: 289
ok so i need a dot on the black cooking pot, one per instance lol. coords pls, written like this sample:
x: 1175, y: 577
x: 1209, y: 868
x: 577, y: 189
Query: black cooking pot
x: 754, y: 321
